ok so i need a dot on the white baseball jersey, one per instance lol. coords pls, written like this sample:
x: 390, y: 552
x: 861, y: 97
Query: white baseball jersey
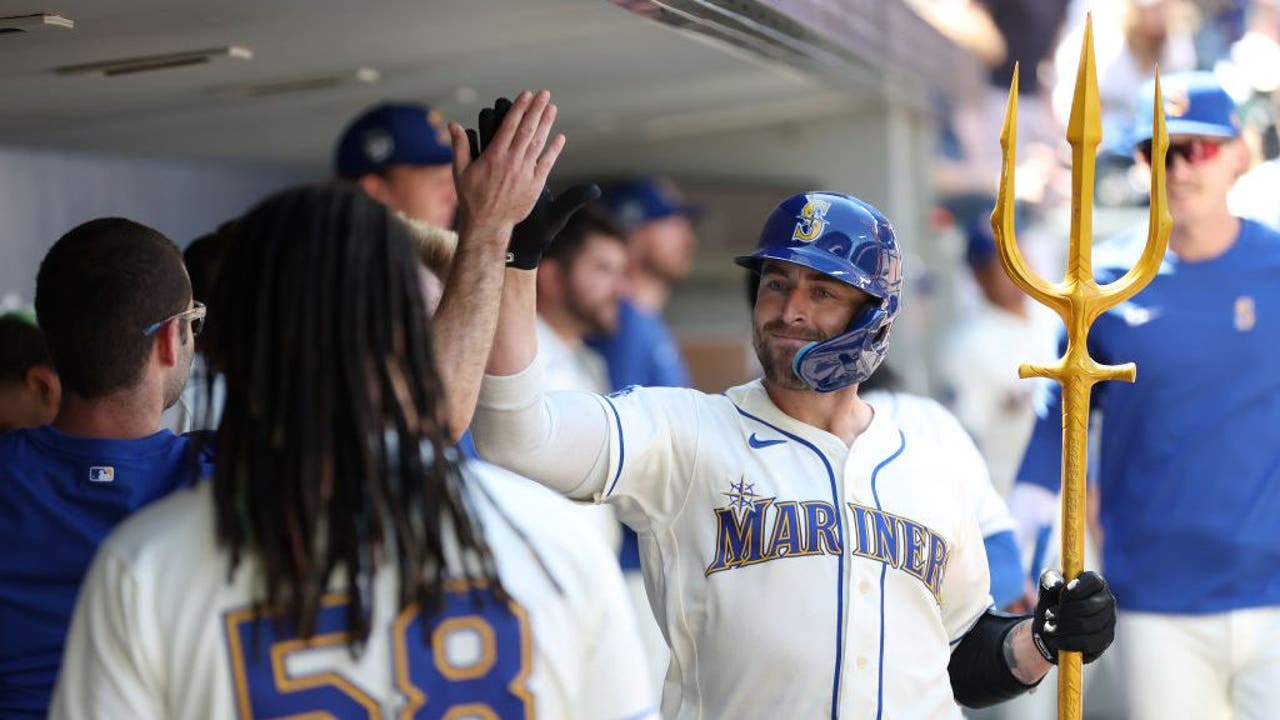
x: 794, y: 576
x: 929, y: 421
x: 159, y: 632
x: 569, y: 368
x: 980, y: 367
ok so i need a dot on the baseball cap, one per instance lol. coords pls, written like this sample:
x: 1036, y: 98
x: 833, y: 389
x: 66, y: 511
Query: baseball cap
x: 1194, y: 104
x: 25, y: 314
x: 392, y: 134
x: 980, y: 243
x: 637, y: 202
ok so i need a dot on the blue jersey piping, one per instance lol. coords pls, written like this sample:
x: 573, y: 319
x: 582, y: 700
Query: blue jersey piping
x: 835, y: 497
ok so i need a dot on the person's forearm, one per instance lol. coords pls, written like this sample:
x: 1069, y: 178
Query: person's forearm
x: 559, y: 439
x: 463, y: 327
x: 515, y: 341
x: 1024, y: 660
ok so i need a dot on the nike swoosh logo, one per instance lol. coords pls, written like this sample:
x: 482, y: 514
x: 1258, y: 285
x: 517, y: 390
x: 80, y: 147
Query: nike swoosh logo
x: 1135, y: 316
x: 757, y: 443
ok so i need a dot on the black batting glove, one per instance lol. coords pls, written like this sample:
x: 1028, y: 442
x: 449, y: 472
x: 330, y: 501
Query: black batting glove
x: 533, y: 235
x: 531, y: 238
x: 1078, y: 618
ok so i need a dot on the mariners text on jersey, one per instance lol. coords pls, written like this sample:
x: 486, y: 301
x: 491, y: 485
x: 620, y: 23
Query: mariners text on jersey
x: 749, y: 532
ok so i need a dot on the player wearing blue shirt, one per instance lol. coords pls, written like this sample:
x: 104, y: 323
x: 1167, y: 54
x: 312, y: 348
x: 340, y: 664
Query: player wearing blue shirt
x: 1189, y: 463
x: 116, y: 307
x: 642, y: 350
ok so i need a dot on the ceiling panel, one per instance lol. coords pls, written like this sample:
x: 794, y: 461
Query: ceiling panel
x: 614, y: 73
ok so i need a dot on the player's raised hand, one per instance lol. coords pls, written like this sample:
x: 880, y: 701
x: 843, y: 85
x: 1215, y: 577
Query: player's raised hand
x: 501, y: 176
x: 549, y: 214
x: 1080, y: 617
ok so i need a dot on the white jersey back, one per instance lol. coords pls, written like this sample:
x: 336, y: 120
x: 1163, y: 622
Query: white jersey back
x: 159, y: 632
x: 794, y: 576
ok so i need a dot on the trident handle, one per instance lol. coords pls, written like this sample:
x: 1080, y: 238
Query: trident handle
x: 1079, y: 300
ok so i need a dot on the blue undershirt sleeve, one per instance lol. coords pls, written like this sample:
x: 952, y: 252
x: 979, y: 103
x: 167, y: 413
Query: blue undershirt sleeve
x: 1004, y: 561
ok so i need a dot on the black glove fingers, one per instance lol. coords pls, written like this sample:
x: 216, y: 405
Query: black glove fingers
x: 573, y: 198
x: 1097, y: 625
x: 1087, y: 584
x: 1094, y: 642
x: 1051, y: 580
x: 501, y: 107
x: 486, y: 127
x: 1085, y: 608
x: 473, y: 139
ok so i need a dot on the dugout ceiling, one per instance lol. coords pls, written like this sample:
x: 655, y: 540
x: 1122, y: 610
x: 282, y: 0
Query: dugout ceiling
x: 621, y: 71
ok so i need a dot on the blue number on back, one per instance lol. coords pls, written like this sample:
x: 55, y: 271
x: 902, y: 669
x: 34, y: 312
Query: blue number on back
x: 474, y: 663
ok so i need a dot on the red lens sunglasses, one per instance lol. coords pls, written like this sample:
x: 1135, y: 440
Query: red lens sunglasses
x: 1191, y: 151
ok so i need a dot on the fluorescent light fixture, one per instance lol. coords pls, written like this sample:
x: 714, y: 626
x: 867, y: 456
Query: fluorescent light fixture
x: 149, y: 63
x: 359, y: 76
x: 34, y: 23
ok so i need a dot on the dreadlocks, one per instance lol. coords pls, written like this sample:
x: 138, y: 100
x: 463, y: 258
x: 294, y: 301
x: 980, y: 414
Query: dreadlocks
x: 331, y: 453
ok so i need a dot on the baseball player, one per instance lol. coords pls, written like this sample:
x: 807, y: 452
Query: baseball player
x: 342, y: 563
x: 1189, y: 457
x: 804, y: 556
x: 120, y: 322
x: 399, y: 153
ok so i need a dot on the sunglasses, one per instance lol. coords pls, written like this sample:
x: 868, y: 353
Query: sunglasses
x: 1191, y: 151
x: 195, y: 314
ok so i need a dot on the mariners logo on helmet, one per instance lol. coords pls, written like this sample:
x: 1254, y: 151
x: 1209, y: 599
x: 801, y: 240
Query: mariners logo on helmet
x: 812, y: 221
x: 844, y: 237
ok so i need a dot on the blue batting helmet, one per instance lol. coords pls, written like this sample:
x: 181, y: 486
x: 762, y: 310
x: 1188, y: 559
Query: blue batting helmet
x: 844, y: 237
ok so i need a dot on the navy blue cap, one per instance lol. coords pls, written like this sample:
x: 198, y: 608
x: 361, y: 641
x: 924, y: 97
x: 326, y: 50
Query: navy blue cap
x: 980, y: 243
x: 637, y: 202
x: 1194, y: 104
x: 391, y: 134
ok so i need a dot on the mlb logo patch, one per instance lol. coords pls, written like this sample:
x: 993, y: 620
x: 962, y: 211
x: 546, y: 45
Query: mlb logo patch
x: 102, y: 474
x: 1246, y: 314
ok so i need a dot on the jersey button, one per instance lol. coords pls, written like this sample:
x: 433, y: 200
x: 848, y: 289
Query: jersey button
x: 861, y: 662
x: 864, y: 587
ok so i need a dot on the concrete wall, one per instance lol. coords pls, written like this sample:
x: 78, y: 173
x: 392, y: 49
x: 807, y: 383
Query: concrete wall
x: 44, y: 193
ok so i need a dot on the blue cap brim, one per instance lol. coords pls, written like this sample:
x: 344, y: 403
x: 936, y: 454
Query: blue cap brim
x: 814, y: 259
x: 1185, y: 127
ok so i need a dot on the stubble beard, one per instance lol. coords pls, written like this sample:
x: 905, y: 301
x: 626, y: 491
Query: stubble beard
x: 778, y: 363
x: 177, y: 382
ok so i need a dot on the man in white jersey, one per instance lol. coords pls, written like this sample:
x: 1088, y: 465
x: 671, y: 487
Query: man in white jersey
x: 804, y: 557
x: 580, y: 282
x: 980, y: 358
x: 342, y: 563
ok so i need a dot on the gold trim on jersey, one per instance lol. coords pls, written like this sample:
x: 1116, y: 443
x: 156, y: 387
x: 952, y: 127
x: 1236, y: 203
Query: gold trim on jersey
x: 416, y: 697
x: 799, y: 529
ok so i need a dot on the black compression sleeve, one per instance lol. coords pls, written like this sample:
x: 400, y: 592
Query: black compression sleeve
x: 980, y: 676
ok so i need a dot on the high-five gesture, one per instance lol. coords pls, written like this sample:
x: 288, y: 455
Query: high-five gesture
x: 497, y: 187
x: 529, y: 239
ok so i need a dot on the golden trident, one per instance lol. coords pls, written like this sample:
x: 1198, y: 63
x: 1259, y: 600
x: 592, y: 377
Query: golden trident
x: 1079, y: 300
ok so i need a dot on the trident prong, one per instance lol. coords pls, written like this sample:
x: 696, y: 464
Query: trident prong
x: 1079, y: 300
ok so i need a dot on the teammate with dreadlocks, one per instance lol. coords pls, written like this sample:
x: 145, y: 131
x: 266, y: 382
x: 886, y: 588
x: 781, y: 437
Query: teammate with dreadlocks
x: 370, y: 573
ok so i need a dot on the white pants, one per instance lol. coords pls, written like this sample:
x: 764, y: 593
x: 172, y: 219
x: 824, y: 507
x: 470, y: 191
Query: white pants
x: 1224, y: 666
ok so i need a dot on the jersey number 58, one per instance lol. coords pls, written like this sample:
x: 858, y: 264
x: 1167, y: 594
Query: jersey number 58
x: 474, y: 663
